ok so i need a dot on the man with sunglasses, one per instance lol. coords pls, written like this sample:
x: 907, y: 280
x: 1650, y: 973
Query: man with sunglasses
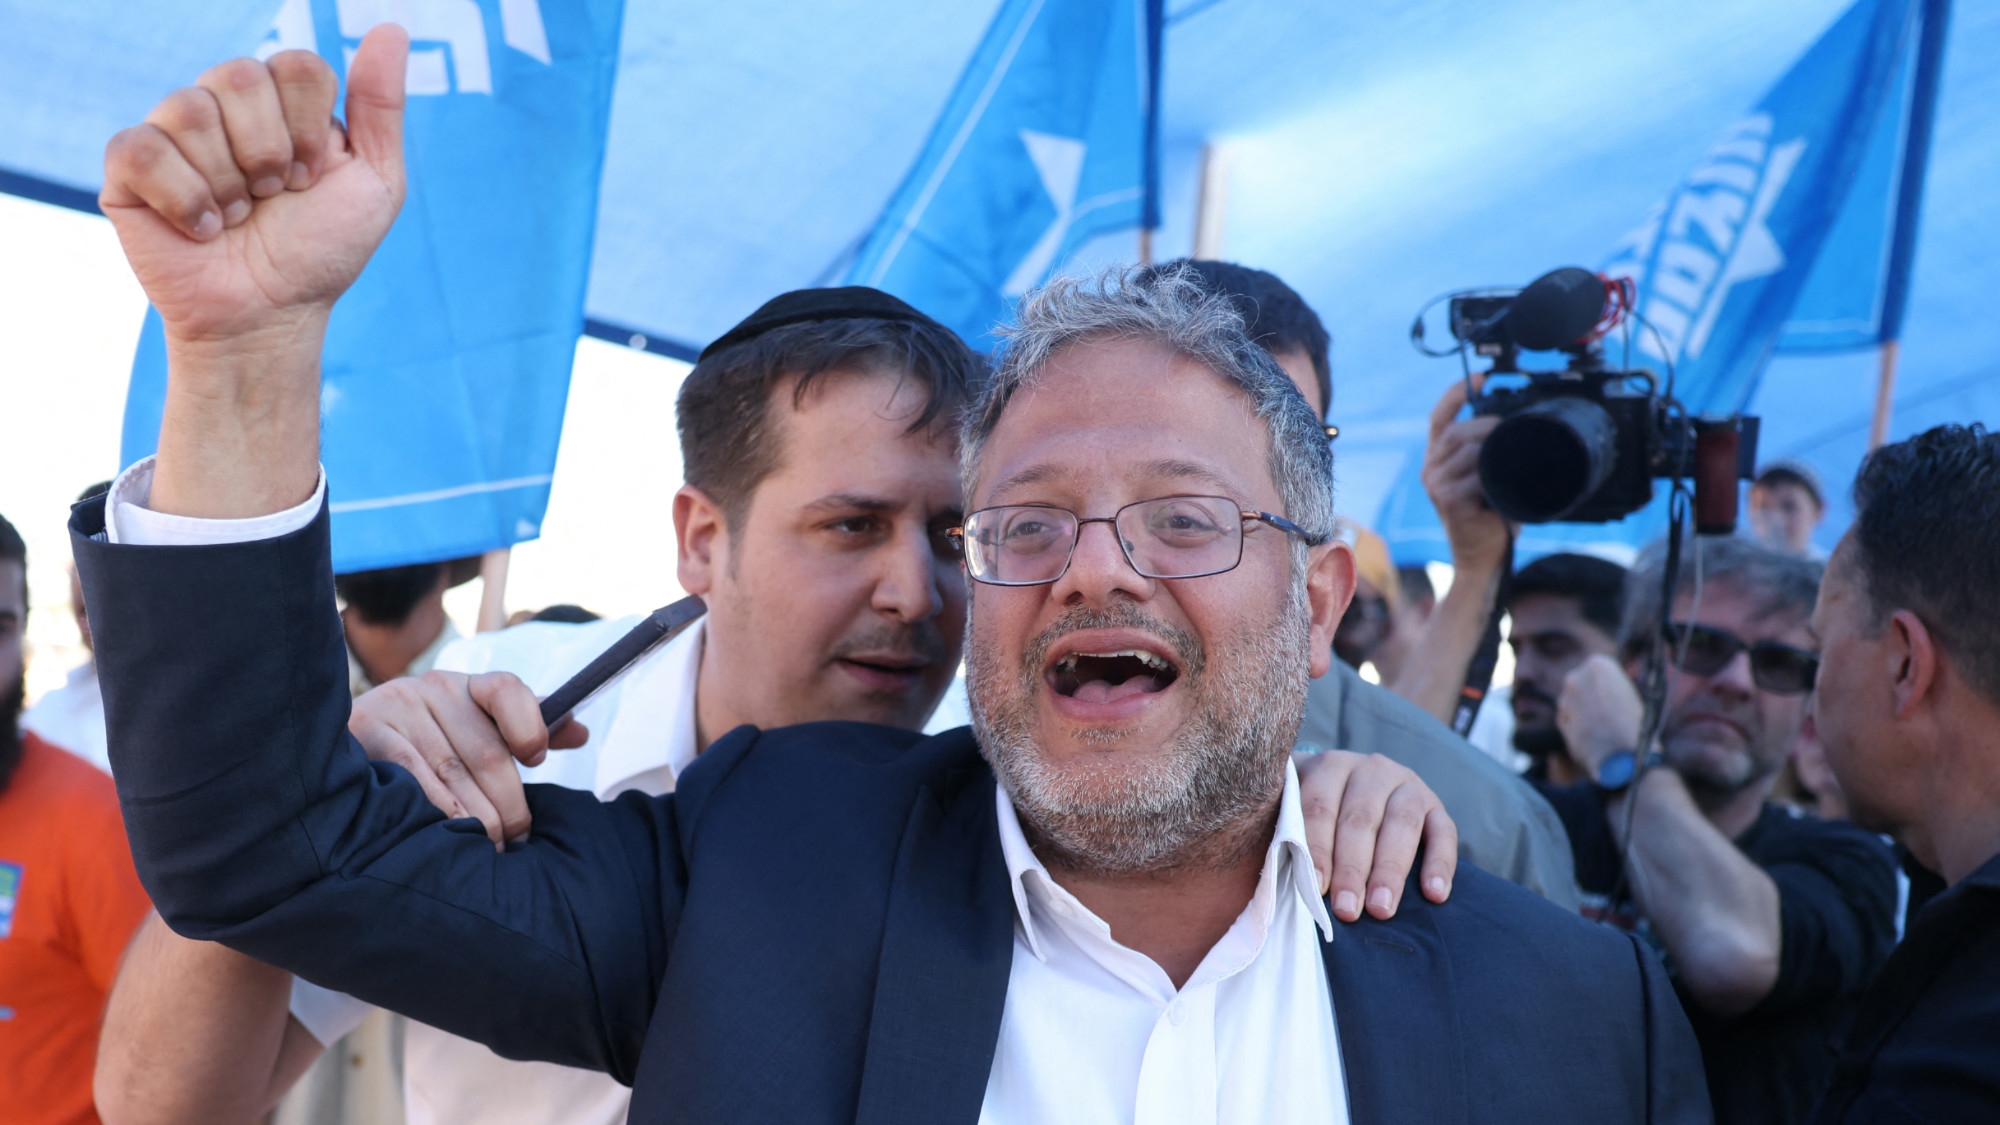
x: 1773, y: 923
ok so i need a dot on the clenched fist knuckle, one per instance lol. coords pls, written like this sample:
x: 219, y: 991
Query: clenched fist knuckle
x: 133, y: 154
x: 236, y: 76
x: 299, y: 66
x: 188, y: 110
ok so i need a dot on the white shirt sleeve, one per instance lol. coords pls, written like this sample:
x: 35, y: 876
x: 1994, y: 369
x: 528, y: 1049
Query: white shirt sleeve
x: 326, y: 1014
x: 128, y: 520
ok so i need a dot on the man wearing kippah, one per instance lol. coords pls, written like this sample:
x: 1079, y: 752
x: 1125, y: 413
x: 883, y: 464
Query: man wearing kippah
x: 820, y: 452
x: 1098, y: 903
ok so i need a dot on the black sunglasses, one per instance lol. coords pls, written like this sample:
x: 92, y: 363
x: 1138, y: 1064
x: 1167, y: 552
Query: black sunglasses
x: 1777, y: 668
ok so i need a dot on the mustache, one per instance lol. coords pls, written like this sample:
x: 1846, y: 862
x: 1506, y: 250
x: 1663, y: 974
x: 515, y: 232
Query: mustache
x: 1186, y: 648
x: 922, y: 641
x: 1744, y: 718
x: 1525, y: 690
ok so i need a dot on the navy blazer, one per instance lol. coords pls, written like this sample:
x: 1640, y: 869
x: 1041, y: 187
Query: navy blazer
x: 814, y: 927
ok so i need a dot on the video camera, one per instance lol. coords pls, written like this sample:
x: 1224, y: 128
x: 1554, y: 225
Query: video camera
x: 1584, y: 444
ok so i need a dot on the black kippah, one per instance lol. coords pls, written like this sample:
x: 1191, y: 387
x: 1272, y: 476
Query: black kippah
x: 801, y: 305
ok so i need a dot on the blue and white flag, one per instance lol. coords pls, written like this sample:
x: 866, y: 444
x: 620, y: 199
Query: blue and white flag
x: 447, y: 365
x: 1720, y: 265
x: 1860, y: 282
x: 1046, y: 143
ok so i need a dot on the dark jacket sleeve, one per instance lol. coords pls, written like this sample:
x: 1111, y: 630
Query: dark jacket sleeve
x: 1676, y: 1088
x: 257, y: 821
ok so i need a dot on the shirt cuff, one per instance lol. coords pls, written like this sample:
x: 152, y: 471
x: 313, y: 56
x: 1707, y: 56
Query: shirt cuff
x: 128, y: 520
x: 325, y: 1014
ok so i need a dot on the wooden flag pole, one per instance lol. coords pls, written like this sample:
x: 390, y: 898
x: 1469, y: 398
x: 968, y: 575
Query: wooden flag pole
x: 1145, y: 246
x: 1211, y: 197
x: 493, y: 589
x: 1885, y: 396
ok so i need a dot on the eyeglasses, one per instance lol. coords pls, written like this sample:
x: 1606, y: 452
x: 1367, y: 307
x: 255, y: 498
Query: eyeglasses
x: 1172, y: 537
x: 1777, y: 668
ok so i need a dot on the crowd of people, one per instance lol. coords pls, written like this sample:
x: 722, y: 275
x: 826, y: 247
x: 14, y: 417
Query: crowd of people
x: 1209, y: 850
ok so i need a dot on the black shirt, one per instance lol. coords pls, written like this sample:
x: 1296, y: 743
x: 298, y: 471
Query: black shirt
x: 1925, y: 1044
x: 1837, y: 911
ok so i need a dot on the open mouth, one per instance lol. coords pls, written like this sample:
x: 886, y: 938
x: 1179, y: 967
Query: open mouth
x: 1106, y: 677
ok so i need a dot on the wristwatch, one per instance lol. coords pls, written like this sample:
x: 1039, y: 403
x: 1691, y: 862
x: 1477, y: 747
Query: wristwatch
x: 1617, y: 770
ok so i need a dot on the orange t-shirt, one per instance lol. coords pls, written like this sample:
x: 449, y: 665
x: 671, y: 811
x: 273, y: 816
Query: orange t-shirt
x: 69, y: 903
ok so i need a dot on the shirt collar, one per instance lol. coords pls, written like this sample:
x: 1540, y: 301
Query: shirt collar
x: 654, y: 725
x: 1288, y: 860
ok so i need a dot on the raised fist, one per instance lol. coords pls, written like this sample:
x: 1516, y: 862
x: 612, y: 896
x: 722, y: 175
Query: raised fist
x: 243, y: 206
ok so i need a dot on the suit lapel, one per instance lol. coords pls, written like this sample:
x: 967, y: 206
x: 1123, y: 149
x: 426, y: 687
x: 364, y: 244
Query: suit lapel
x: 1394, y: 1002
x: 947, y: 948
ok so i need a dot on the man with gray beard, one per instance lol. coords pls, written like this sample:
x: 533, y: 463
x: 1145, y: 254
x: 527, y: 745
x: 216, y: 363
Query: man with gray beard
x: 1096, y: 905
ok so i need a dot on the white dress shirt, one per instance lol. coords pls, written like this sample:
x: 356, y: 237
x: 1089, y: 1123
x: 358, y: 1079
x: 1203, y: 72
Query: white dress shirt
x: 1096, y: 1032
x: 1091, y: 1031
x: 642, y: 734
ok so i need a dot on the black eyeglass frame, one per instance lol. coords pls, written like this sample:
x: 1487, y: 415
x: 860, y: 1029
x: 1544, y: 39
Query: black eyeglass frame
x: 957, y: 537
x: 1675, y: 633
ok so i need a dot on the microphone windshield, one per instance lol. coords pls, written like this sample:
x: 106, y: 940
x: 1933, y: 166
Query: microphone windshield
x: 1557, y: 309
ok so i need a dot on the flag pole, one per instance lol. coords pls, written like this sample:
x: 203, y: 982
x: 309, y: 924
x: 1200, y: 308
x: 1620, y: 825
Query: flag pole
x: 493, y: 589
x: 1885, y: 395
x: 1149, y: 208
x: 1211, y: 198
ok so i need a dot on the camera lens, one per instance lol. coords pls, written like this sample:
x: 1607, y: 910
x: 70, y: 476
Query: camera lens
x: 1539, y: 464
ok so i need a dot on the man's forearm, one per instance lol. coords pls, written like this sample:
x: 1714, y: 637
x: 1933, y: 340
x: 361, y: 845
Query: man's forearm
x: 239, y: 434
x: 196, y: 1033
x: 1714, y: 910
x: 1435, y: 672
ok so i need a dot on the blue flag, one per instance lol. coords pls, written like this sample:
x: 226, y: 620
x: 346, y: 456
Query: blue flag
x: 1046, y: 143
x: 1859, y: 285
x: 447, y: 364
x: 1721, y: 263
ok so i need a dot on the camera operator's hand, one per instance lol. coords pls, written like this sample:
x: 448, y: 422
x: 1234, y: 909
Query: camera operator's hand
x: 246, y: 210
x: 1434, y: 672
x: 1599, y: 712
x: 460, y: 736
x: 1477, y: 534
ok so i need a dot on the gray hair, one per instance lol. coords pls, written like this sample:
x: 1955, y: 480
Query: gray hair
x: 1776, y: 581
x: 1169, y: 307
